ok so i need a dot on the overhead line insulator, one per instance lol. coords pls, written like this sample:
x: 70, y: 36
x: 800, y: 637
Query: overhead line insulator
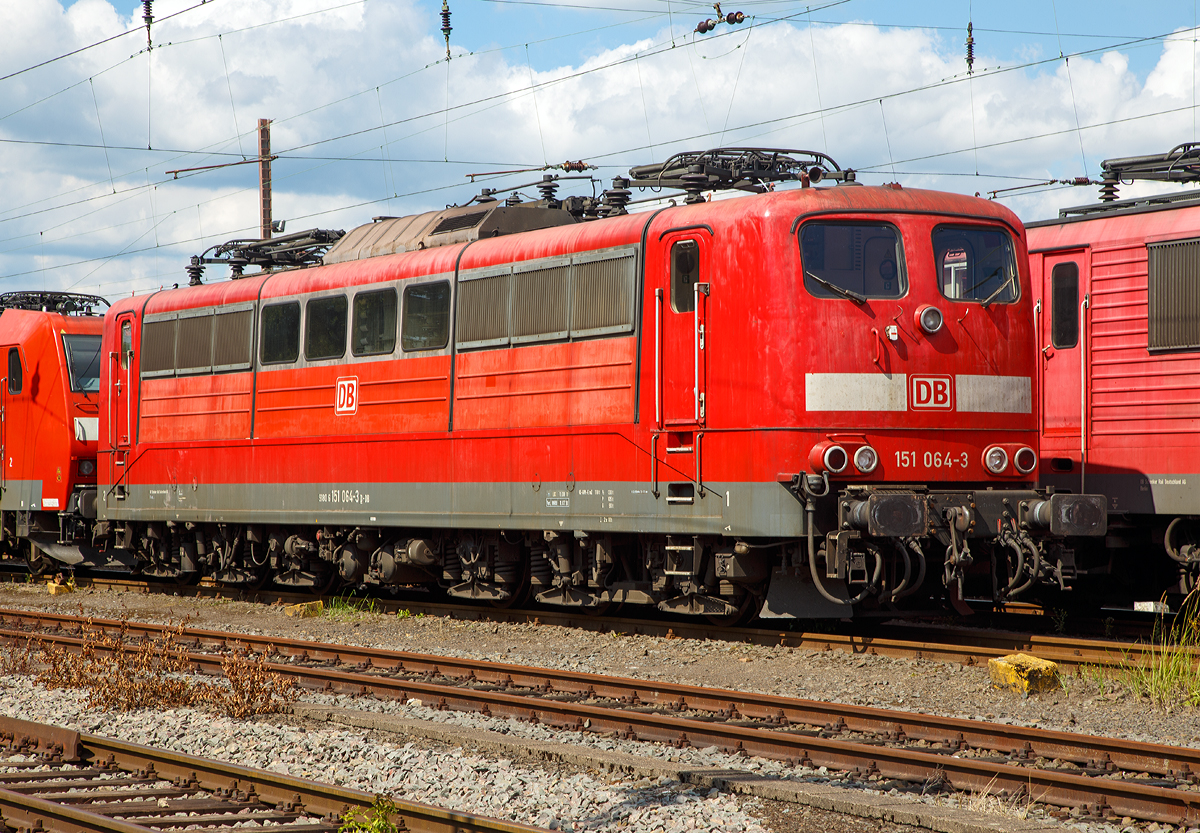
x: 970, y: 50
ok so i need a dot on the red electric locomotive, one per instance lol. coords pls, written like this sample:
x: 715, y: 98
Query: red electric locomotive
x: 49, y: 423
x: 702, y: 407
x: 1118, y: 295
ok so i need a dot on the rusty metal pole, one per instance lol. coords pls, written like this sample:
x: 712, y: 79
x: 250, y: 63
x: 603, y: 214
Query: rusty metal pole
x: 264, y: 174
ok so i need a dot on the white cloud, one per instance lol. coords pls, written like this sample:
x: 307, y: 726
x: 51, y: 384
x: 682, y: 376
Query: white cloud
x: 336, y: 73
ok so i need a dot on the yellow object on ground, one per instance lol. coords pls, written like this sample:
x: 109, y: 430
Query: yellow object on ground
x: 1023, y: 673
x: 305, y: 610
x: 57, y: 589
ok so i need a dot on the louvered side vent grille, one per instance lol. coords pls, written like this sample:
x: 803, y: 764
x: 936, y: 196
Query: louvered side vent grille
x: 158, y: 348
x: 194, y: 352
x: 460, y: 221
x: 1174, y: 295
x: 603, y: 296
x: 231, y: 339
x: 539, y: 304
x: 483, y: 312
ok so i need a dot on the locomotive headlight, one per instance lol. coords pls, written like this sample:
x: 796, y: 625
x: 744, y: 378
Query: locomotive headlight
x: 835, y: 458
x: 995, y: 460
x: 929, y: 319
x: 865, y: 459
x: 828, y: 456
x: 1025, y: 460
x: 87, y: 468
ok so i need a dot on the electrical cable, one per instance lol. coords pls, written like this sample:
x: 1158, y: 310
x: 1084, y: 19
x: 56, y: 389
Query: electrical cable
x: 1139, y: 40
x: 101, y: 42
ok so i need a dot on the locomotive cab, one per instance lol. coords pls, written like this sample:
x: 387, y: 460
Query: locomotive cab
x: 49, y: 425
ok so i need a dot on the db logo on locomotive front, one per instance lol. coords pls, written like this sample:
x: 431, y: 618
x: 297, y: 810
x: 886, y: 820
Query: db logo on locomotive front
x: 931, y: 393
x: 346, y: 401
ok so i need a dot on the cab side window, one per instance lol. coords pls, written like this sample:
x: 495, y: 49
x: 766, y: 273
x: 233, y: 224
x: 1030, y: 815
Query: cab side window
x: 685, y: 273
x: 14, y: 371
x: 1064, y: 305
x: 126, y: 343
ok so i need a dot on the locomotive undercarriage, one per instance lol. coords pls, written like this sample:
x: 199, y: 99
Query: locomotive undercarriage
x: 864, y: 549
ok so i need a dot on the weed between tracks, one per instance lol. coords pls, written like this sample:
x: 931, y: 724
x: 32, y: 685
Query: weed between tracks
x: 1166, y: 672
x: 1169, y: 676
x: 376, y: 819
x: 349, y: 609
x: 121, y: 673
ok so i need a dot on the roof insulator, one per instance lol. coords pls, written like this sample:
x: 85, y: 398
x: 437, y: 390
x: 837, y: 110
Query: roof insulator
x: 194, y: 270
x: 1108, y: 189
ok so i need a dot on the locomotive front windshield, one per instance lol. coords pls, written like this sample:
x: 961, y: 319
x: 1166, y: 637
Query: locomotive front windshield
x: 83, y: 362
x: 976, y: 264
x: 852, y: 260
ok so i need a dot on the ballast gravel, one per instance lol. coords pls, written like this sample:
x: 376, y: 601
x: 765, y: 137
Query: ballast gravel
x: 566, y: 799
x: 447, y: 778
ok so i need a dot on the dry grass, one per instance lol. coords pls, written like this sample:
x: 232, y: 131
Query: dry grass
x: 120, y: 673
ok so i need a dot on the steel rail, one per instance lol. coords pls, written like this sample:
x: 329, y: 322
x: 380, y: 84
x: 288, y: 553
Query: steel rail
x: 968, y: 646
x: 76, y: 801
x: 900, y: 744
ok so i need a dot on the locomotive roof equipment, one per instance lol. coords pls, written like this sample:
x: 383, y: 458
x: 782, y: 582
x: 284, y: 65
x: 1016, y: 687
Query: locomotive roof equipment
x: 64, y: 303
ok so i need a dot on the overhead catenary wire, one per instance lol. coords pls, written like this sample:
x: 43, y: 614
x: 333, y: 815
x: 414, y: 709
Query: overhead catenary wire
x: 537, y: 86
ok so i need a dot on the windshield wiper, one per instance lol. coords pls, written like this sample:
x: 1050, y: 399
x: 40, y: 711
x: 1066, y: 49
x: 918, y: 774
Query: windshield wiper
x: 837, y: 290
x: 999, y: 289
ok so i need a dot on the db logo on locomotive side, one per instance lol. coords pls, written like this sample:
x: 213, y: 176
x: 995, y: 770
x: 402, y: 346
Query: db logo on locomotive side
x: 931, y: 393
x: 347, y: 396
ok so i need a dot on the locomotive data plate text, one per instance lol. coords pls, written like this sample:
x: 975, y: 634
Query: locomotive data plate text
x: 351, y: 496
x: 932, y: 459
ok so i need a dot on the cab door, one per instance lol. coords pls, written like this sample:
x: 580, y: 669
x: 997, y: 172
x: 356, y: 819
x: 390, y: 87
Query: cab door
x: 10, y: 383
x: 684, y: 336
x: 681, y: 360
x: 1063, y: 345
x: 120, y: 422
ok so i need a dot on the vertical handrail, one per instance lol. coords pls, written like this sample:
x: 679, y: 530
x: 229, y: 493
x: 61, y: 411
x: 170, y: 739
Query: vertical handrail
x: 113, y: 406
x: 129, y: 400
x: 658, y: 305
x: 3, y: 435
x: 1040, y: 372
x: 699, y: 477
x: 698, y: 289
x: 654, y: 462
x: 696, y: 341
x: 1083, y: 307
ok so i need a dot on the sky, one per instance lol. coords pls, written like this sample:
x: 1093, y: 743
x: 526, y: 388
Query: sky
x: 369, y: 117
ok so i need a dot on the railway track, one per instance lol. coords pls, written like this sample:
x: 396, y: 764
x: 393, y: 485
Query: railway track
x: 1079, y: 774
x: 968, y: 646
x: 56, y: 780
